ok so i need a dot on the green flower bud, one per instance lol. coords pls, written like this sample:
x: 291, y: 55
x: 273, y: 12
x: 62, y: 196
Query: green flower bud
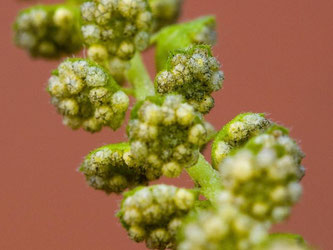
x: 48, y: 30
x: 86, y: 95
x: 262, y: 176
x: 180, y: 36
x: 193, y: 73
x: 224, y: 227
x: 105, y: 169
x: 120, y: 26
x: 165, y: 12
x: 280, y: 241
x: 165, y: 135
x: 234, y: 134
x: 154, y: 214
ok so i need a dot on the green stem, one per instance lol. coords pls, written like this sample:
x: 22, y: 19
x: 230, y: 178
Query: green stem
x: 138, y: 76
x: 207, y: 178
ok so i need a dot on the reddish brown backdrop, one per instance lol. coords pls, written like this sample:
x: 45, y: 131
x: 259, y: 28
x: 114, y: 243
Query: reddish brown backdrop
x: 277, y: 57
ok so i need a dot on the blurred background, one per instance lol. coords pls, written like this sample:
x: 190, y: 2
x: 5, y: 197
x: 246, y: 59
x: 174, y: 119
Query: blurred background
x: 277, y: 57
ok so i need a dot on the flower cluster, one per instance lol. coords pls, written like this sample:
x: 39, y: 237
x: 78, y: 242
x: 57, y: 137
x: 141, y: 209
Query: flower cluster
x: 48, y: 31
x: 180, y: 36
x: 283, y: 241
x: 165, y: 134
x: 86, y: 95
x: 236, y: 133
x: 262, y: 177
x: 117, y: 27
x: 105, y: 169
x: 165, y: 12
x: 224, y: 227
x: 154, y: 214
x: 193, y: 73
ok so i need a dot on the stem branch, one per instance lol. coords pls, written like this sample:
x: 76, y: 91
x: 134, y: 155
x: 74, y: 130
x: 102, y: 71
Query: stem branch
x: 207, y: 178
x: 138, y: 76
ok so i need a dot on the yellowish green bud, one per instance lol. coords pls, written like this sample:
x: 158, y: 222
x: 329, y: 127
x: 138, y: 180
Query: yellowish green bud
x: 86, y: 95
x: 154, y: 214
x: 105, y: 169
x: 165, y: 135
x: 237, y: 132
x: 48, y: 31
x: 120, y: 26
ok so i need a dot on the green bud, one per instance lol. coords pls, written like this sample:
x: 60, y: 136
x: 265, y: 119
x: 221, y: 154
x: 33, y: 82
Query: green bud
x: 165, y: 135
x: 86, y: 95
x: 262, y: 177
x: 121, y: 27
x: 48, y: 31
x: 154, y: 214
x: 165, y: 12
x: 106, y: 169
x: 279, y: 241
x: 180, y: 36
x: 224, y: 227
x: 237, y: 132
x: 193, y: 73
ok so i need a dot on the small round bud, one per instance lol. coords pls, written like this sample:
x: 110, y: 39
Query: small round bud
x: 122, y: 27
x: 88, y: 94
x: 48, y: 31
x: 191, y: 74
x: 237, y: 132
x: 155, y: 213
x: 165, y: 135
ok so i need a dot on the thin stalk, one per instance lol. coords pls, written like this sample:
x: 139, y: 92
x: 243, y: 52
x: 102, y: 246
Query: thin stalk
x: 207, y: 178
x: 138, y: 76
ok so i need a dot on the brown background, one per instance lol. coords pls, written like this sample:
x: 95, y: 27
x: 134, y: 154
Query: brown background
x: 277, y: 57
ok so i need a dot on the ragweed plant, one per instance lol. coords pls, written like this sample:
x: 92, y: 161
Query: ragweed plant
x: 254, y: 178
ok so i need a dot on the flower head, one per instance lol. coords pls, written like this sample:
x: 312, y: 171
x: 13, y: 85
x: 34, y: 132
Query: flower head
x: 121, y: 26
x: 279, y: 241
x: 262, y: 177
x: 193, y: 73
x: 105, y: 169
x: 223, y: 227
x: 48, y: 30
x: 87, y: 96
x: 154, y: 214
x: 237, y: 132
x: 165, y: 12
x: 165, y: 135
x: 183, y: 35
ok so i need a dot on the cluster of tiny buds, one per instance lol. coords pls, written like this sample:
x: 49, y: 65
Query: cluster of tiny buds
x: 225, y: 227
x: 283, y: 242
x: 105, y: 169
x: 164, y: 12
x: 165, y: 137
x: 154, y: 214
x: 193, y: 73
x: 236, y: 133
x: 262, y: 177
x: 86, y: 95
x: 119, y: 27
x: 48, y: 31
